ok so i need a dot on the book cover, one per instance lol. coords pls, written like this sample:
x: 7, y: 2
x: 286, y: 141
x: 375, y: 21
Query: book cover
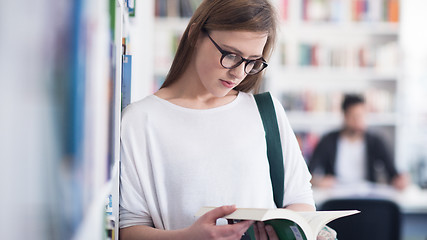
x: 288, y: 225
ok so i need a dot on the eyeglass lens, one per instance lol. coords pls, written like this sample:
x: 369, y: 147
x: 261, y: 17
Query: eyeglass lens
x: 232, y: 60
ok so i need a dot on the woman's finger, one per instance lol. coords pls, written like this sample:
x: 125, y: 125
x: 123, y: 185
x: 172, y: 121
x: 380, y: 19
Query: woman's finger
x: 218, y: 212
x: 272, y: 235
x: 256, y: 231
x: 233, y: 231
x: 327, y: 233
x: 262, y: 232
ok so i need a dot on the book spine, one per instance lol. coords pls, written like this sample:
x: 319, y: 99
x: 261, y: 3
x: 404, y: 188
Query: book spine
x: 393, y: 11
x: 285, y: 9
x: 172, y: 8
x: 385, y: 10
x: 314, y: 61
x: 304, y: 10
x: 312, y: 100
x: 126, y: 80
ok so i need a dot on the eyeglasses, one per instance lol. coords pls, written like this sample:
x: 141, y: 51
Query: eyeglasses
x: 231, y: 60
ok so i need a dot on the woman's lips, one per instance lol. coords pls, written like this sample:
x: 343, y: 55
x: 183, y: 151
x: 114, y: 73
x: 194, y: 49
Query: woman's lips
x: 228, y: 84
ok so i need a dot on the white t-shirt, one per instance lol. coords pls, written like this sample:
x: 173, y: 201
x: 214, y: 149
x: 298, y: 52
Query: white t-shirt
x: 350, y: 161
x: 175, y: 160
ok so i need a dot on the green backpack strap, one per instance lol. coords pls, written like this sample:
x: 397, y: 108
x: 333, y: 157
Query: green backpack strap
x: 274, y: 146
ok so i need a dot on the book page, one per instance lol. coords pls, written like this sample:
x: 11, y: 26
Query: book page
x: 320, y: 218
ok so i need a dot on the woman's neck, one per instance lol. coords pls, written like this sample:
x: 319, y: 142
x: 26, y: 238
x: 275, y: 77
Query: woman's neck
x: 190, y: 98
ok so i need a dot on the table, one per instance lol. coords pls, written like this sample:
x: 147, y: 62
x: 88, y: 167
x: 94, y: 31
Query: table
x: 412, y: 202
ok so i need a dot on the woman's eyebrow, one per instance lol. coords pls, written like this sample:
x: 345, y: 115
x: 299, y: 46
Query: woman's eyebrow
x: 235, y: 50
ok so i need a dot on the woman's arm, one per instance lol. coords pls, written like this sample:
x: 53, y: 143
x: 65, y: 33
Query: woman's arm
x: 146, y: 232
x: 204, y: 228
x: 301, y: 207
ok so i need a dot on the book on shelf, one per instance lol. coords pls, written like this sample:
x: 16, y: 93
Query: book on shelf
x: 383, y: 58
x: 359, y: 10
x: 130, y: 5
x: 126, y: 80
x: 176, y: 8
x: 288, y: 225
x: 344, y: 56
x: 393, y: 11
x: 377, y: 100
x: 312, y: 101
x: 285, y: 10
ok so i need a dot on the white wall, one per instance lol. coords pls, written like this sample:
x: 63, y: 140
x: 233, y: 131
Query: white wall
x: 413, y: 107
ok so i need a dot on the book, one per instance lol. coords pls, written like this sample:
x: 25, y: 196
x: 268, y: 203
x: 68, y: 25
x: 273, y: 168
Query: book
x: 288, y: 224
x: 126, y: 80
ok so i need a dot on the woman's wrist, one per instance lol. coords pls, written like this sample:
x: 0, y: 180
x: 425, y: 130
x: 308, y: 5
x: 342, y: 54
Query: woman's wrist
x: 182, y: 234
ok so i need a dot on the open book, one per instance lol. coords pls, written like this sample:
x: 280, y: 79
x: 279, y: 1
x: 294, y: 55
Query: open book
x: 289, y: 225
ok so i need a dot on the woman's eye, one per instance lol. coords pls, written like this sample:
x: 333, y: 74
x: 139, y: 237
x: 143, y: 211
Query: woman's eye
x: 232, y: 57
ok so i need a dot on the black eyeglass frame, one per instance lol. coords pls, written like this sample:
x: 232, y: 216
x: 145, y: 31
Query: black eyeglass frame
x: 247, y: 61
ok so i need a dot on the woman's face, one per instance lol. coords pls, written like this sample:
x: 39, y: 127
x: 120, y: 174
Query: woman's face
x: 216, y: 79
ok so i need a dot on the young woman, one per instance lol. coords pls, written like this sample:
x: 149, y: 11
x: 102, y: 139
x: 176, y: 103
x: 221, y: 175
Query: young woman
x: 199, y: 140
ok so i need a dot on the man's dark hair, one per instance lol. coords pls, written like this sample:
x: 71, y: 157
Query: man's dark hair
x: 350, y: 100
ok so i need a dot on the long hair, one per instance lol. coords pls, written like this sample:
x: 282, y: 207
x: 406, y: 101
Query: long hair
x: 228, y: 15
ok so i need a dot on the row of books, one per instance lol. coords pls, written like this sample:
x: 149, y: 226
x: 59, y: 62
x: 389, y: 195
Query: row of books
x: 350, y: 10
x: 312, y: 10
x: 176, y: 8
x: 335, y: 56
x: 382, y: 57
x: 377, y: 101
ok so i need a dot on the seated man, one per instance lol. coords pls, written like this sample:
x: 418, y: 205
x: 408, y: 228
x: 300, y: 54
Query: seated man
x: 351, y: 154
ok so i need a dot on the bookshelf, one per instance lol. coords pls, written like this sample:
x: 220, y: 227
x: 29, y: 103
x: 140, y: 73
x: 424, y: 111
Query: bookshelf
x: 102, y: 23
x: 65, y: 120
x: 112, y: 23
x: 329, y: 48
x: 125, y: 24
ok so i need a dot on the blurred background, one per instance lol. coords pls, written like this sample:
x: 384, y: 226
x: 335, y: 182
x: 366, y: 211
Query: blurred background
x: 69, y: 67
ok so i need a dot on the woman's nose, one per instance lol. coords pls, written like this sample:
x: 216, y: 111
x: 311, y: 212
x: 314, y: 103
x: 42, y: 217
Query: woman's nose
x: 238, y: 72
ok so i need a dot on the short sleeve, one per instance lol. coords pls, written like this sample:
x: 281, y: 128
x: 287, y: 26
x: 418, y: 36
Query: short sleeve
x: 134, y: 166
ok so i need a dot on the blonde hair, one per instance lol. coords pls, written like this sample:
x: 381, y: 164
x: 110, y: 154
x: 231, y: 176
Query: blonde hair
x: 228, y: 15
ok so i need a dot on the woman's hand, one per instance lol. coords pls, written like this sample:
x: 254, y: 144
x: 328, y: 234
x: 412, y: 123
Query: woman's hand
x: 205, y: 227
x: 327, y: 233
x: 264, y: 232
